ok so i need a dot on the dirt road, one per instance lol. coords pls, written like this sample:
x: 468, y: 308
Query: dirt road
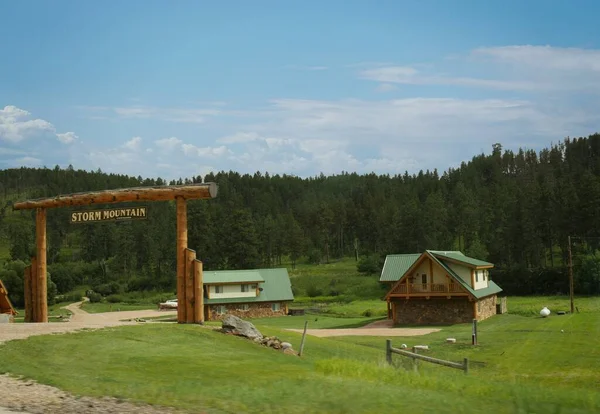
x: 79, y: 320
x: 378, y: 328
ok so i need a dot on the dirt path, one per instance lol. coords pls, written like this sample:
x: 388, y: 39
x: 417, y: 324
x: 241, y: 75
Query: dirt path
x: 30, y: 397
x: 378, y: 328
x: 79, y: 320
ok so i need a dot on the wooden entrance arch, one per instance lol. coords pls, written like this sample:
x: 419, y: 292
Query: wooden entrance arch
x: 190, y: 296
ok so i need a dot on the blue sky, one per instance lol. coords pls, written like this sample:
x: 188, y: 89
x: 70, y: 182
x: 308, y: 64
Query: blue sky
x: 175, y: 89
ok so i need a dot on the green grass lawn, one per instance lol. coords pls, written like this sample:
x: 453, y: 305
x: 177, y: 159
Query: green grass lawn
x: 53, y: 312
x: 198, y: 369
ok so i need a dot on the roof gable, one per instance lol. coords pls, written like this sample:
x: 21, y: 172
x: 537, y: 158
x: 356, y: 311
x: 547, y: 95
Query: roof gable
x: 462, y: 259
x: 450, y: 272
x: 5, y: 305
x: 396, y: 265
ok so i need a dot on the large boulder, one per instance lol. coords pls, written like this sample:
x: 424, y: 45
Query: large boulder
x: 237, y: 326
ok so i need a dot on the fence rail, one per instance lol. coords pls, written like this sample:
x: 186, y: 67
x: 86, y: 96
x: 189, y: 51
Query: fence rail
x: 389, y: 350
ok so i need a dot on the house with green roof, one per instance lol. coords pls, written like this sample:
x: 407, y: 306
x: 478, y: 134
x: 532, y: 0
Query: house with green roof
x: 438, y: 287
x: 246, y: 293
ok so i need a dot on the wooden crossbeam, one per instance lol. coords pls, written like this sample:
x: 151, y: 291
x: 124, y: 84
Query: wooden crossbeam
x: 163, y: 193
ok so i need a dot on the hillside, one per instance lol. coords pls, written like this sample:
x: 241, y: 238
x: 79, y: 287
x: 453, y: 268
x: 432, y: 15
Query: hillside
x: 514, y: 209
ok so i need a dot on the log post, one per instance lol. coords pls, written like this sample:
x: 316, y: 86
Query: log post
x: 388, y: 351
x: 181, y: 247
x: 28, y: 303
x: 33, y: 294
x: 40, y: 231
x: 190, y: 275
x: 198, y: 292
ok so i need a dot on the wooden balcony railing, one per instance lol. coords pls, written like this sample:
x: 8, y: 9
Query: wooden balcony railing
x: 435, y: 288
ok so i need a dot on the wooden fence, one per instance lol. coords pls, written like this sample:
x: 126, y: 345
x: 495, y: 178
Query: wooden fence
x: 389, y: 350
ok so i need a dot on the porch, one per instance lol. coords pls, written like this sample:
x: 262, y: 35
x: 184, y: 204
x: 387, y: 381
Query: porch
x: 427, y: 289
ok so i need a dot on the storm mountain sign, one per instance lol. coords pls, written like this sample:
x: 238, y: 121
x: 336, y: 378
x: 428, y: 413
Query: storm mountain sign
x: 111, y: 214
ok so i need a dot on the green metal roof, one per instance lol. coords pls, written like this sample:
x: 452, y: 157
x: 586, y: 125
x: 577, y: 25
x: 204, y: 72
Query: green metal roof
x: 396, y: 265
x: 276, y: 288
x: 490, y: 290
x: 458, y: 256
x: 232, y: 276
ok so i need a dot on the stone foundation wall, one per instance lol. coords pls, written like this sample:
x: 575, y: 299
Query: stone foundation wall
x: 435, y: 311
x: 255, y: 310
x: 486, y: 307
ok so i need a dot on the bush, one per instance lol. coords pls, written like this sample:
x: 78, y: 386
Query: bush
x: 115, y: 299
x: 107, y: 289
x: 369, y: 264
x: 368, y: 313
x: 95, y: 297
x: 313, y: 291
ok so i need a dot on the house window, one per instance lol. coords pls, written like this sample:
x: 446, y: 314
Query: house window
x: 477, y: 276
x: 221, y: 310
x: 254, y: 286
x: 244, y: 308
x: 218, y: 289
x: 424, y: 278
x: 275, y: 307
x: 245, y: 288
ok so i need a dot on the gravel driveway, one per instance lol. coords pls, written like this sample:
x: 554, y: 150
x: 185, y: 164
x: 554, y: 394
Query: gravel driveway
x: 378, y: 328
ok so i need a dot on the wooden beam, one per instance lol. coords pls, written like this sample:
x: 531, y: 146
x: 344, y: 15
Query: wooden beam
x: 199, y: 292
x: 181, y: 248
x: 40, y: 232
x: 475, y: 315
x: 190, y: 293
x: 431, y: 270
x: 34, y: 291
x: 28, y: 301
x: 473, y: 278
x: 163, y: 193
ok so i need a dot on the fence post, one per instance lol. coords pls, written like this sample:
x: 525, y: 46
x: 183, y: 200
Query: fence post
x: 388, y: 351
x: 466, y: 365
x: 415, y: 361
x: 474, y: 331
x: 302, y: 341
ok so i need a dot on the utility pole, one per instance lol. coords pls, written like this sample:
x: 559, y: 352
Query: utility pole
x: 571, y: 277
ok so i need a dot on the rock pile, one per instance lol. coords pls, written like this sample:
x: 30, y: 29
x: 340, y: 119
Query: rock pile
x: 236, y: 326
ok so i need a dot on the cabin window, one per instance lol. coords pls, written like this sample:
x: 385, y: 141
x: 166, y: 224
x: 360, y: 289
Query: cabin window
x: 245, y: 288
x: 424, y: 278
x: 275, y: 307
x: 254, y: 286
x: 477, y: 275
x: 218, y: 289
x: 244, y: 308
x: 221, y: 310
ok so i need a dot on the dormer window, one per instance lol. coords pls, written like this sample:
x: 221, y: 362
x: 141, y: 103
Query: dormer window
x: 218, y: 289
x: 245, y: 288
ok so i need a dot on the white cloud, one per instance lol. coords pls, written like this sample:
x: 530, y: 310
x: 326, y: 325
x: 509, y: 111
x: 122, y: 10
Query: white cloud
x: 240, y: 137
x: 522, y: 68
x: 168, y: 143
x: 176, y: 115
x: 205, y: 152
x: 15, y: 125
x: 386, y: 87
x: 67, y: 137
x: 28, y: 162
x: 134, y: 144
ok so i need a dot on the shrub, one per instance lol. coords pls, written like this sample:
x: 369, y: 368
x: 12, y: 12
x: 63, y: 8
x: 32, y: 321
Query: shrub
x: 368, y: 313
x: 95, y: 297
x: 114, y: 299
x: 369, y: 264
x: 313, y: 291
